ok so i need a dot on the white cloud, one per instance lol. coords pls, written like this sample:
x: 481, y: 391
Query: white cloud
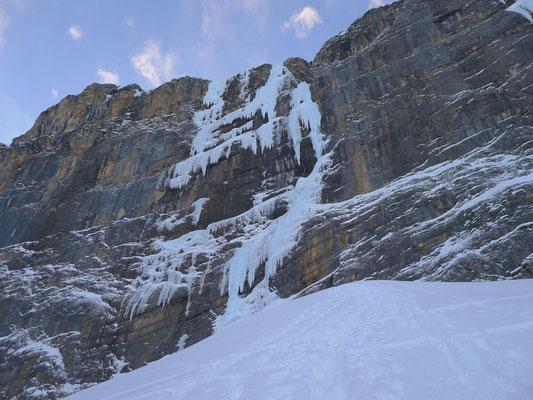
x: 153, y: 65
x: 129, y: 22
x: 75, y: 32
x: 375, y: 3
x: 303, y: 22
x: 55, y: 93
x: 107, y: 76
x: 216, y: 15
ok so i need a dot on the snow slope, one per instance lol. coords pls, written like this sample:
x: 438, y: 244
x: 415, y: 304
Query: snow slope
x: 364, y: 340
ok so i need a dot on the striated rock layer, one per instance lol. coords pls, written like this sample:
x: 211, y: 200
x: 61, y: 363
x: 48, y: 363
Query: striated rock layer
x: 134, y: 224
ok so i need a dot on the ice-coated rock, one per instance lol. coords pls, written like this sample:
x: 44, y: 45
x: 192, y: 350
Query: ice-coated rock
x: 134, y: 224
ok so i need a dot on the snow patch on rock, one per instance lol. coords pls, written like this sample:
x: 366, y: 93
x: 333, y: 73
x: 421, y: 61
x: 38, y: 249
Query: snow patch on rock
x: 523, y: 7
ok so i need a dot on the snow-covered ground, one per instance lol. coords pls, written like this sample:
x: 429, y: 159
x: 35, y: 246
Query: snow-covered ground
x: 366, y: 340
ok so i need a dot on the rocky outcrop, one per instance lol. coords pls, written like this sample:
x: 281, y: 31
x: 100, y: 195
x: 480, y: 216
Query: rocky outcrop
x: 136, y: 223
x: 102, y: 102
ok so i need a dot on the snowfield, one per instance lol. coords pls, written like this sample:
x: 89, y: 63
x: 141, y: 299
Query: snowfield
x: 365, y: 340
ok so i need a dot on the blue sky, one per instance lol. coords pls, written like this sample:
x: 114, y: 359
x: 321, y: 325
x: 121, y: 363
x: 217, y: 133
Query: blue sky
x: 52, y: 48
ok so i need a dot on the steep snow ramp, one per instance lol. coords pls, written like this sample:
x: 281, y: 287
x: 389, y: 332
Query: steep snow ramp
x: 364, y: 340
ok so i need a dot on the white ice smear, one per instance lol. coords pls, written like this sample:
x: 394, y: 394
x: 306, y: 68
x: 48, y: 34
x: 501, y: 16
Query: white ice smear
x: 268, y: 247
x: 198, y: 207
x: 172, y: 268
x: 182, y: 341
x: 210, y: 145
x: 363, y: 340
x: 304, y: 111
x: 265, y: 242
x: 278, y: 237
x: 169, y: 223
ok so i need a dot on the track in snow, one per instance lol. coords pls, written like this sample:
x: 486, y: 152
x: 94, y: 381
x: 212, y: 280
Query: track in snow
x: 364, y: 340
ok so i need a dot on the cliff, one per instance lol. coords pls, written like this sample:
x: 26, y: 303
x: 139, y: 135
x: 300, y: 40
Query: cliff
x: 136, y: 223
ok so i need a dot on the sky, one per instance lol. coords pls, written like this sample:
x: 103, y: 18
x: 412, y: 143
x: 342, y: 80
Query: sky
x: 52, y: 48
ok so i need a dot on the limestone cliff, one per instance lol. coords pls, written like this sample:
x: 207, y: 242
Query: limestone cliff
x: 135, y: 223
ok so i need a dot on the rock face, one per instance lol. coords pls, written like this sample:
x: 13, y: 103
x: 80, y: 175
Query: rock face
x: 134, y: 224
